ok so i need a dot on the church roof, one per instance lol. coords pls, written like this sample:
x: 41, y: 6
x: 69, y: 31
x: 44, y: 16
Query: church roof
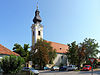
x: 60, y: 48
x: 4, y: 50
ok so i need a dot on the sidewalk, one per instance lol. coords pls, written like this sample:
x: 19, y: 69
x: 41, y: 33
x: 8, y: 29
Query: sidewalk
x: 43, y: 70
x: 97, y: 69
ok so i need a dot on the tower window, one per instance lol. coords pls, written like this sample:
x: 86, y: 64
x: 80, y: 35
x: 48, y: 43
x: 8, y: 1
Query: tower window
x: 38, y: 32
x: 33, y: 33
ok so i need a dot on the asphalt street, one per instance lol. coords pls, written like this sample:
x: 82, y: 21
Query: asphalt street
x: 69, y: 73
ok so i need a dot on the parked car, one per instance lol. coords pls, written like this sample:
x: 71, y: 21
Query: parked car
x: 87, y: 68
x: 71, y: 67
x: 63, y: 68
x: 1, y: 70
x: 36, y: 72
x: 54, y: 68
x: 46, y: 68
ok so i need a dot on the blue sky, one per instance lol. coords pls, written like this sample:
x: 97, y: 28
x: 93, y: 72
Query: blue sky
x: 64, y: 21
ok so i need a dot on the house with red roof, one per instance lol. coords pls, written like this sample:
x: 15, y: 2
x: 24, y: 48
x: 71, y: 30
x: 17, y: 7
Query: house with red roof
x: 6, y: 52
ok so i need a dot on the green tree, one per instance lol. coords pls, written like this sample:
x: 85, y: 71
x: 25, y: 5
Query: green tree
x: 91, y: 48
x: 12, y: 64
x: 52, y: 55
x: 72, y: 53
x: 22, y: 51
x: 42, y: 53
x: 81, y: 53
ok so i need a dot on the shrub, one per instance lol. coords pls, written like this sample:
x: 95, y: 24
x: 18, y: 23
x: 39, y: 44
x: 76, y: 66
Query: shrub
x: 12, y: 64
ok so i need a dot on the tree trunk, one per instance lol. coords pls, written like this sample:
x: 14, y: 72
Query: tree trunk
x: 79, y: 64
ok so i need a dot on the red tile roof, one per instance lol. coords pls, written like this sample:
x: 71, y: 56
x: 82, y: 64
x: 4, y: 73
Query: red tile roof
x: 60, y: 48
x: 4, y: 50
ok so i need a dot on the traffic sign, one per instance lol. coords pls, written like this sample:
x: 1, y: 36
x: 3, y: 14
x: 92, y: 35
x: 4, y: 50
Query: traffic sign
x: 92, y: 60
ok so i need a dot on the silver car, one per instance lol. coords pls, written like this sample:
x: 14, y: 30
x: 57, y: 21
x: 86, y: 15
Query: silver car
x: 54, y: 68
x: 36, y: 72
x: 71, y: 67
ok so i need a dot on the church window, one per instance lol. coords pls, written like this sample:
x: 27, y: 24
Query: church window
x: 38, y: 32
x: 33, y: 33
x: 61, y: 57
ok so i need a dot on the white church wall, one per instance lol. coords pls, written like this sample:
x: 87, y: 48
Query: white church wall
x: 35, y: 29
x: 2, y: 55
x: 60, y: 59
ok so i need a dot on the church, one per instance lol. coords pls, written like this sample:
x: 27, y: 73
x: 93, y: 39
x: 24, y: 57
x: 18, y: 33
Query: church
x: 37, y: 33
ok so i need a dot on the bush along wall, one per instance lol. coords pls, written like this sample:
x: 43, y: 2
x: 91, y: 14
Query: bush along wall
x: 12, y: 64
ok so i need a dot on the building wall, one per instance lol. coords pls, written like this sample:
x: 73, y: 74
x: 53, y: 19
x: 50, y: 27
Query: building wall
x: 35, y: 36
x: 60, y: 59
x: 2, y: 55
x: 29, y: 64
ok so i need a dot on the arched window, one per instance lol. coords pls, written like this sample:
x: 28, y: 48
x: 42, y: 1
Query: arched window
x: 33, y: 33
x: 61, y: 57
x: 39, y: 33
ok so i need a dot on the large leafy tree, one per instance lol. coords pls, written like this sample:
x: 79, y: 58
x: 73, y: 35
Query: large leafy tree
x: 91, y: 48
x: 80, y: 53
x: 76, y: 54
x: 42, y: 53
x: 22, y: 51
x: 72, y: 53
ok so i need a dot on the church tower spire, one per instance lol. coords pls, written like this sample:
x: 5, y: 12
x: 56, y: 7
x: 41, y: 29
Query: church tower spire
x: 37, y: 18
x: 37, y: 28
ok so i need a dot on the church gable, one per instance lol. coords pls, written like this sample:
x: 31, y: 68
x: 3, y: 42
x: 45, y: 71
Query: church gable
x: 60, y: 48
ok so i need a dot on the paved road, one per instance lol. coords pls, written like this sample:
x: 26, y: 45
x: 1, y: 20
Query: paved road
x: 69, y: 73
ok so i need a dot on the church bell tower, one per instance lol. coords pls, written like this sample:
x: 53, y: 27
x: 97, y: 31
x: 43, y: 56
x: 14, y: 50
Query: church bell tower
x: 37, y: 28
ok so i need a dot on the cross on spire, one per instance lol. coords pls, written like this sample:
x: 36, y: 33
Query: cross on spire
x: 37, y: 4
